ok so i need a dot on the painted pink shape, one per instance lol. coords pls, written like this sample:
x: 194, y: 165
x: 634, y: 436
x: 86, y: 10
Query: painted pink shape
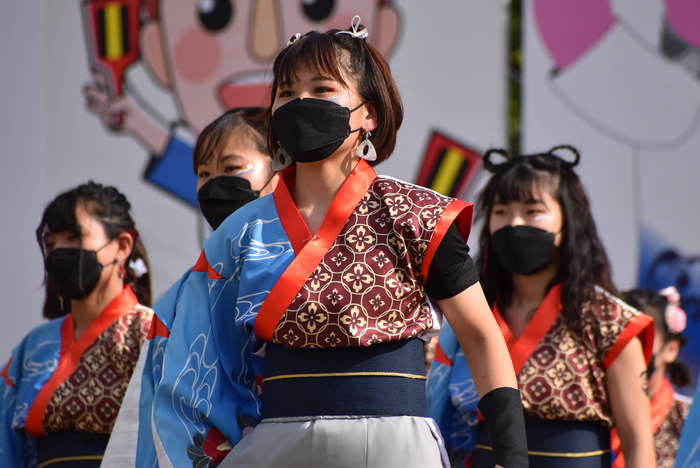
x: 684, y: 18
x: 197, y: 55
x: 570, y: 28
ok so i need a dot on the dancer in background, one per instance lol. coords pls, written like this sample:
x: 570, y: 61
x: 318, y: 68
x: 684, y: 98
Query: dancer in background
x: 232, y: 168
x: 576, y: 348
x: 669, y: 410
x: 62, y: 388
x: 328, y: 280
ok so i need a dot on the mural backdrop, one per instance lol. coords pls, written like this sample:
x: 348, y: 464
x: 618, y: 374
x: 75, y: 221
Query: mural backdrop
x: 620, y: 79
x: 117, y: 90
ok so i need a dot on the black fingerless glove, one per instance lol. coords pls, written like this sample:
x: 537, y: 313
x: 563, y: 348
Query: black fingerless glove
x: 502, y: 410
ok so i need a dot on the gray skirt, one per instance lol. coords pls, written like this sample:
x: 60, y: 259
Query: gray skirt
x: 341, y: 442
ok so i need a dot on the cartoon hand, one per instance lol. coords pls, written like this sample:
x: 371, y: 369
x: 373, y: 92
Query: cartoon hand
x: 110, y: 110
x: 124, y: 114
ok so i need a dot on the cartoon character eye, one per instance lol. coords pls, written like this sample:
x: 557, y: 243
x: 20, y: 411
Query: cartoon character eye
x: 318, y: 10
x: 215, y: 15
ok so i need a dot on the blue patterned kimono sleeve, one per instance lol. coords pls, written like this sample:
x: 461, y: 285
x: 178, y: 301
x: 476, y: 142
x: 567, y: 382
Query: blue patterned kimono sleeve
x: 11, y: 443
x: 452, y: 397
x: 197, y: 393
x: 165, y: 310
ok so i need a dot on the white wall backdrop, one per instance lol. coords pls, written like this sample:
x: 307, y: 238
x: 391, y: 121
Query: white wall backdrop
x: 620, y: 80
x: 449, y: 61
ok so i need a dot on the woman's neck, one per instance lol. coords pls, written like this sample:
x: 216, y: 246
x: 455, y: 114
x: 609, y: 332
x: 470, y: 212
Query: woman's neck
x: 86, y: 310
x: 527, y: 295
x: 317, y: 184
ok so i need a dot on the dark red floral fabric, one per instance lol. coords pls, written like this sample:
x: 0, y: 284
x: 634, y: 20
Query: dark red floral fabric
x: 565, y: 376
x: 89, y: 400
x: 369, y: 287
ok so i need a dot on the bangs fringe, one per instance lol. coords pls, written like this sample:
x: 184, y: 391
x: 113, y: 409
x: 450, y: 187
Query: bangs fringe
x: 521, y: 182
x: 60, y: 216
x: 314, y: 52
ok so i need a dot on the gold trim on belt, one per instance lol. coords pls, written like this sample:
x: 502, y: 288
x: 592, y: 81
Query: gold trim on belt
x: 595, y: 453
x: 68, y: 459
x: 346, y: 374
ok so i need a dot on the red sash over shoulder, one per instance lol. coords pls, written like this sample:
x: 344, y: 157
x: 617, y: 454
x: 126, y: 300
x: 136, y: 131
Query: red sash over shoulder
x: 360, y: 279
x: 667, y: 417
x: 560, y: 369
x: 86, y: 390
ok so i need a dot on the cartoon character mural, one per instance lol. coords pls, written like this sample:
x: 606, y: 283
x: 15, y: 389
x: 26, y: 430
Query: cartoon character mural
x: 631, y: 71
x: 211, y: 56
x: 585, y: 37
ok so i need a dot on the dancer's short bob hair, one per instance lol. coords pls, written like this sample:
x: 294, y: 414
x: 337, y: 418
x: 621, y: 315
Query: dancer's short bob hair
x: 342, y: 58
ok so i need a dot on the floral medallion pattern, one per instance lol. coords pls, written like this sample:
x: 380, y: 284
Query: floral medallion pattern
x: 369, y: 287
x: 667, y: 437
x: 90, y: 398
x: 565, y: 377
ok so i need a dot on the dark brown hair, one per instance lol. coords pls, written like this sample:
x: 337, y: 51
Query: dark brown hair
x: 583, y: 263
x: 654, y: 305
x: 342, y: 57
x: 111, y: 208
x: 214, y: 137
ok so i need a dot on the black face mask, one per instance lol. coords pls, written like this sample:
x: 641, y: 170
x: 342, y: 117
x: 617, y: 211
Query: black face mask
x: 74, y: 276
x: 312, y: 129
x: 223, y: 195
x: 523, y: 250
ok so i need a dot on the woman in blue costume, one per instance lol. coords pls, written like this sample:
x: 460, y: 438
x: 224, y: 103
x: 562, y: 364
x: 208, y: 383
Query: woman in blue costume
x: 578, y: 351
x: 306, y: 309
x: 63, y: 386
x: 232, y: 168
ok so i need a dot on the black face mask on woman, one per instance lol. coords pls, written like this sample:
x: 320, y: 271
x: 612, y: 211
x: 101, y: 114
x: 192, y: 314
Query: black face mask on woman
x: 311, y: 129
x: 523, y: 250
x: 223, y: 195
x: 74, y: 275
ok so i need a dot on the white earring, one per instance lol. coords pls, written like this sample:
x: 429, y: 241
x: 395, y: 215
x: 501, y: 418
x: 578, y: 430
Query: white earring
x: 281, y: 159
x: 366, y: 149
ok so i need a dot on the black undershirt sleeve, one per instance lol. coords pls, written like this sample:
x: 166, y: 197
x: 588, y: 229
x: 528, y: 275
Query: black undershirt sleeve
x: 452, y: 269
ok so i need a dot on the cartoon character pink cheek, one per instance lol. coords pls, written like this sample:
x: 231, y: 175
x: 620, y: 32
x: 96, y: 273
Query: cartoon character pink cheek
x: 206, y: 48
x: 196, y: 55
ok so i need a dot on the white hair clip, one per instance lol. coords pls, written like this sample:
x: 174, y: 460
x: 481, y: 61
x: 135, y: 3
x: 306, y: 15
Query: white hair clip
x: 139, y: 267
x: 357, y: 34
x: 294, y: 38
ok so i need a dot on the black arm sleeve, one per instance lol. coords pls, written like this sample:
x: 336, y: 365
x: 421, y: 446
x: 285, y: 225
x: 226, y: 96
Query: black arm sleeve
x: 452, y: 269
x: 504, y: 418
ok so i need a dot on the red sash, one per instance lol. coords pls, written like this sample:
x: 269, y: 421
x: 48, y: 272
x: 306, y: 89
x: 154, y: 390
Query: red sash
x: 521, y: 349
x: 309, y: 250
x: 661, y: 404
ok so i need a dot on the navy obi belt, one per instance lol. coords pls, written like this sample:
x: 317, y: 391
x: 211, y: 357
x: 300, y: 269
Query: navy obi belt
x: 386, y: 379
x: 71, y: 449
x: 555, y: 443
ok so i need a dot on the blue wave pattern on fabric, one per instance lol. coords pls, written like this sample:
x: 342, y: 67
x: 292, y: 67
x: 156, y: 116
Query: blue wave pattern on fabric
x: 452, y: 396
x: 209, y: 365
x: 165, y: 309
x: 33, y: 363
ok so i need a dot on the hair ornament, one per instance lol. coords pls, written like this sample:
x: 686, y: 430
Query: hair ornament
x: 355, y: 31
x: 293, y: 39
x: 574, y: 151
x: 491, y: 166
x: 138, y: 266
x: 674, y: 316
